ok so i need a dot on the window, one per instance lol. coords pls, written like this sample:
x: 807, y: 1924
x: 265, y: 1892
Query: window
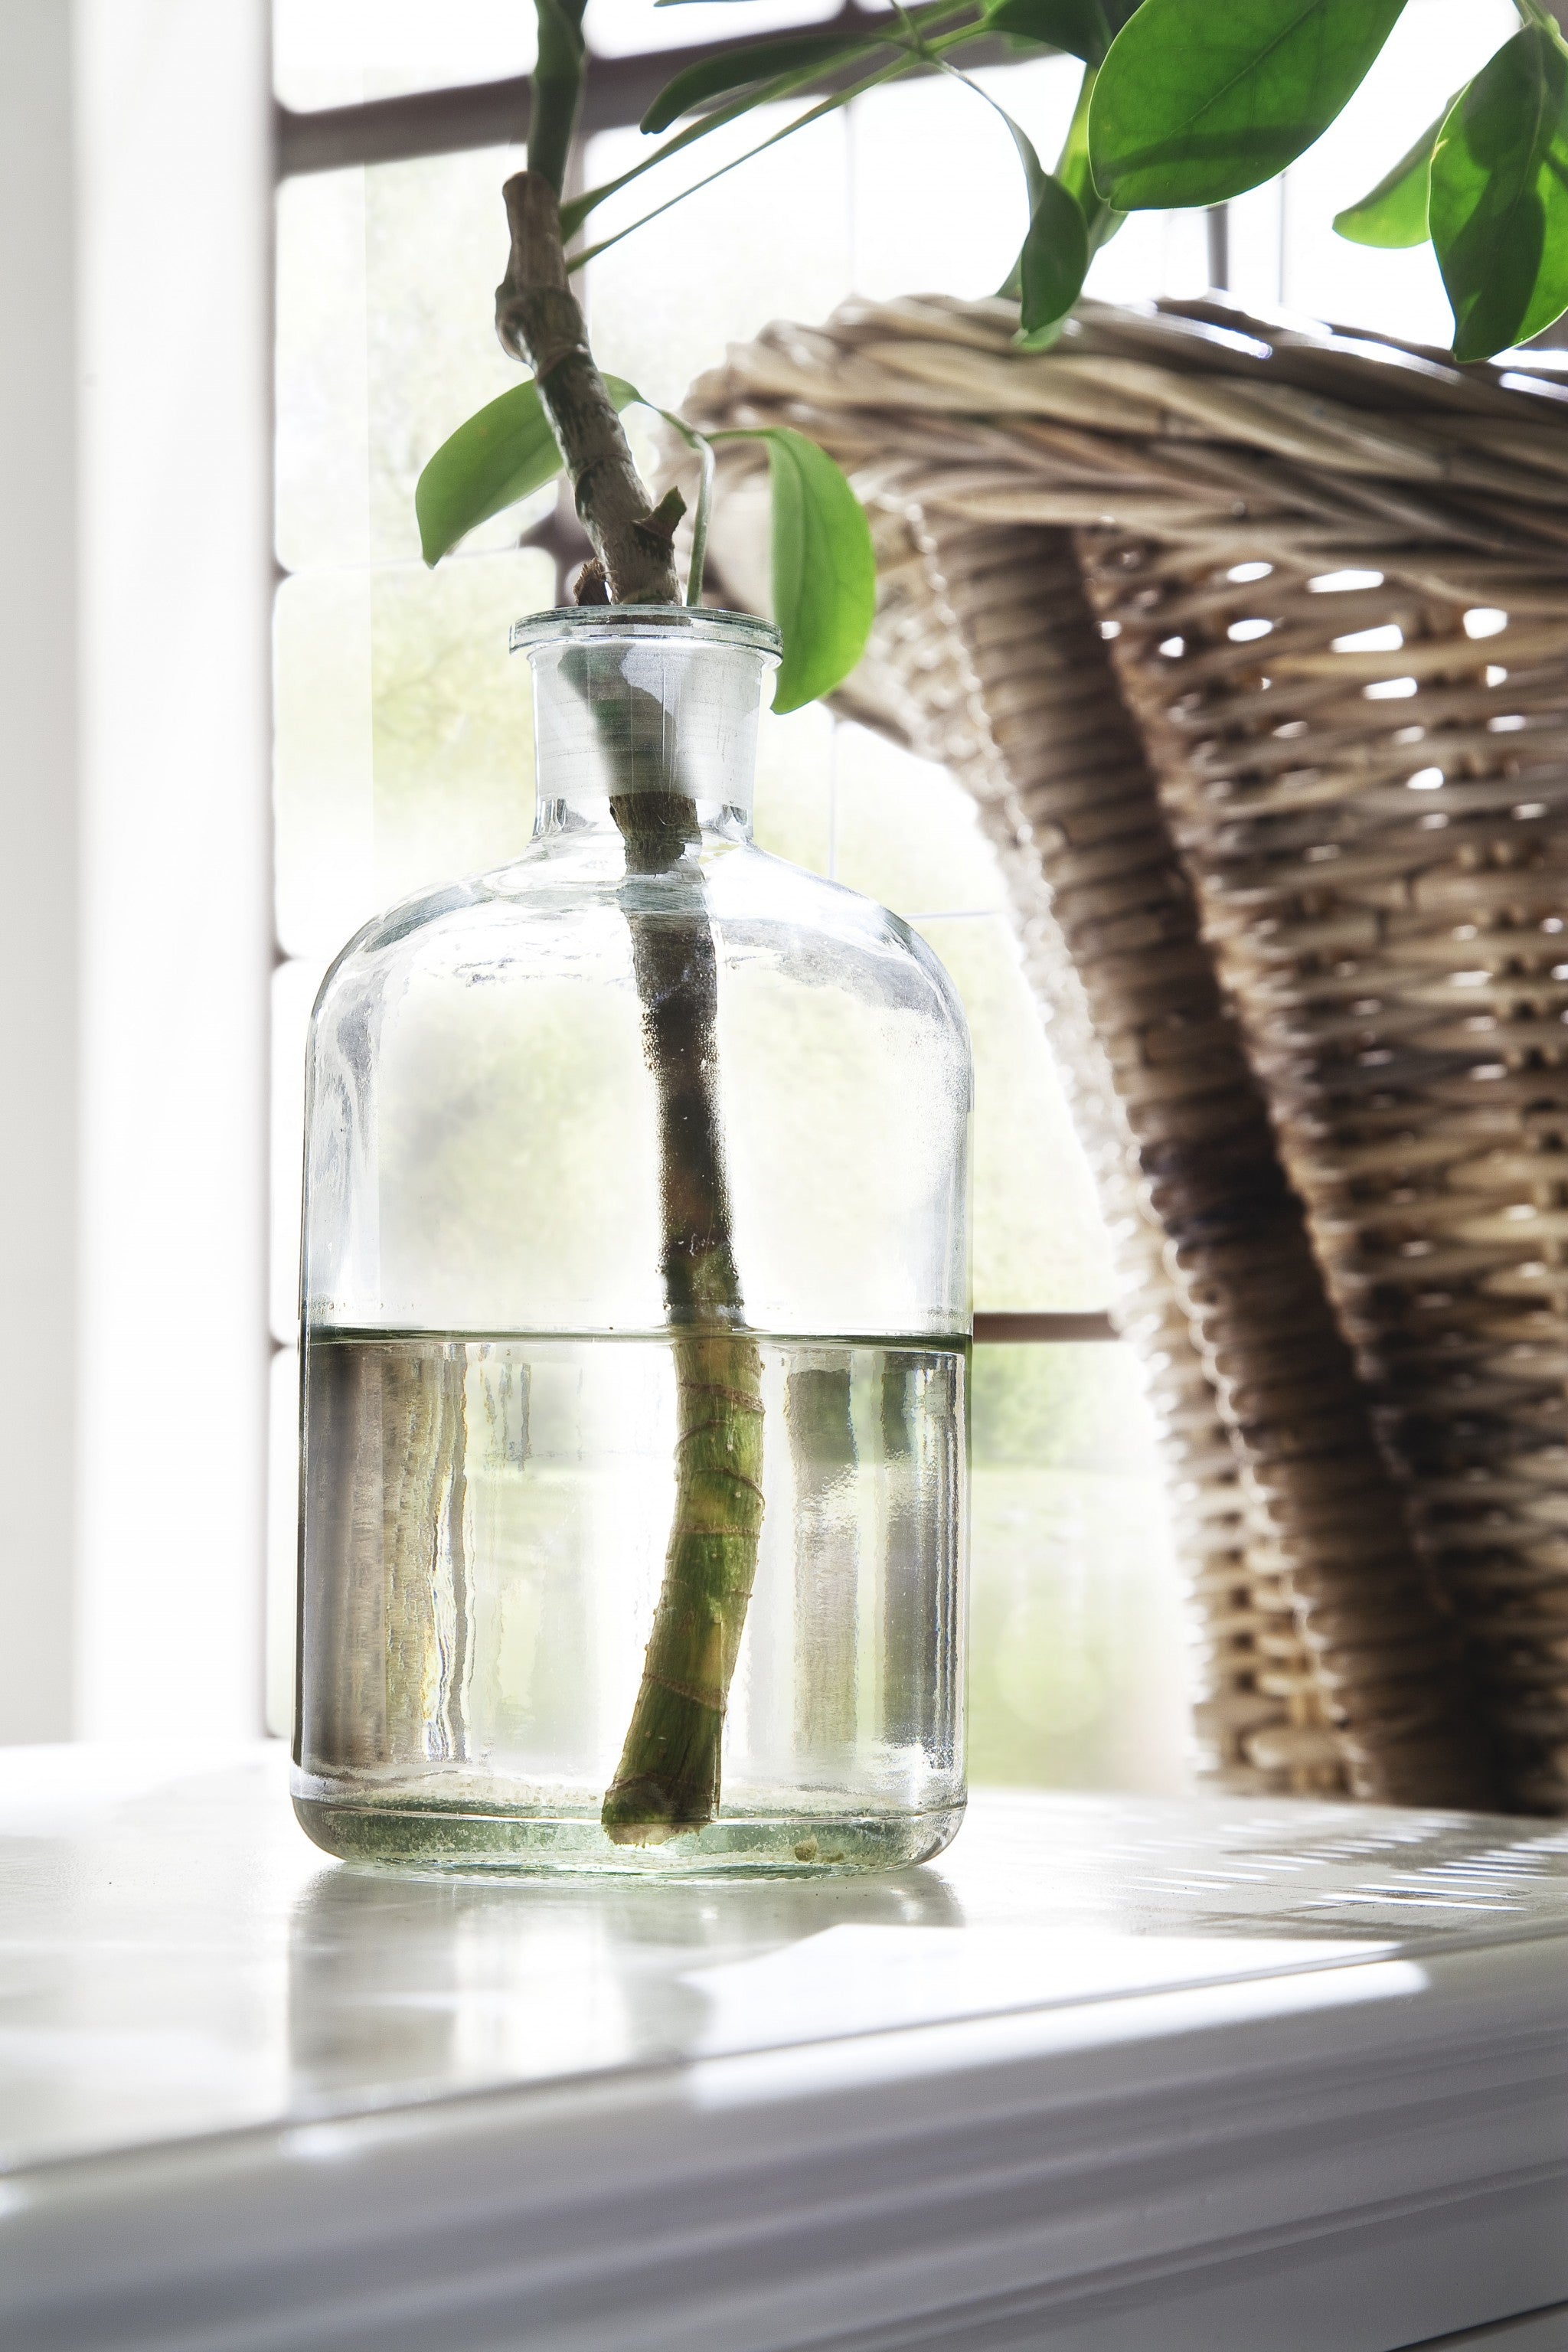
x: 401, y: 752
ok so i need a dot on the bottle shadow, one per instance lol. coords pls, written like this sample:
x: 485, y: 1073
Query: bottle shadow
x: 416, y: 1987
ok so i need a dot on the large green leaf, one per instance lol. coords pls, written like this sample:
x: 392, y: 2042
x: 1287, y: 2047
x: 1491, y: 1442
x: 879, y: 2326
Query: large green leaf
x: 1500, y: 196
x: 1394, y: 212
x: 824, y: 572
x: 1080, y: 27
x: 740, y: 68
x: 502, y: 454
x: 1199, y: 99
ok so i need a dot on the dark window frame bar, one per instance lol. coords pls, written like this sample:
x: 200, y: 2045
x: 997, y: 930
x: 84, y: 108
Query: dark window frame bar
x: 617, y: 94
x: 495, y: 114
x: 1043, y: 1328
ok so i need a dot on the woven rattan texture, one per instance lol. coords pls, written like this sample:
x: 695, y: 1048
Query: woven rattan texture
x: 1373, y: 836
x: 1260, y: 1717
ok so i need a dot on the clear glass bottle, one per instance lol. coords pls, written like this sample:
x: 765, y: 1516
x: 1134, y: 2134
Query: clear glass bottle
x: 636, y: 1326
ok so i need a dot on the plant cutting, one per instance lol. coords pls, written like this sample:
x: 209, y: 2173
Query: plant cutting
x: 567, y: 417
x: 551, y: 1493
x: 433, y: 1382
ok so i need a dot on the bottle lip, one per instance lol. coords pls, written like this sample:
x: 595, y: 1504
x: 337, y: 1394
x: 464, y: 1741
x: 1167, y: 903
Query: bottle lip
x: 613, y: 624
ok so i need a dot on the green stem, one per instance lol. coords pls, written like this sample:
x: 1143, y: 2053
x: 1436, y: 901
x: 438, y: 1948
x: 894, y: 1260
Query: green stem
x: 556, y: 88
x: 1101, y: 220
x: 703, y: 446
x: 574, y: 214
x: 699, y: 520
x: 668, y: 1779
x: 783, y: 86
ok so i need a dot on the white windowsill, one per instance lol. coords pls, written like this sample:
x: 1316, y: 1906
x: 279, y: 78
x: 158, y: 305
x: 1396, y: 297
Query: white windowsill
x: 1112, y: 2076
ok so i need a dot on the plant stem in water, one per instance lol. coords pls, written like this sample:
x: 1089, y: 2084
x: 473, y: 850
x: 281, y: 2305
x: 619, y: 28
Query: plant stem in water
x: 669, y: 1777
x: 667, y: 1781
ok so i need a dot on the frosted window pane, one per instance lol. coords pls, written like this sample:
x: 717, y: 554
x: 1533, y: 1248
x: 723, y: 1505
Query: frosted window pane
x: 769, y: 241
x: 957, y: 231
x: 627, y: 28
x: 1078, y: 1655
x: 386, y: 287
x: 1039, y: 1240
x: 340, y: 52
x: 940, y: 202
x: 324, y: 793
x: 795, y: 761
x: 403, y: 746
x: 323, y: 444
x: 1437, y: 46
x: 907, y: 833
x: 1152, y: 253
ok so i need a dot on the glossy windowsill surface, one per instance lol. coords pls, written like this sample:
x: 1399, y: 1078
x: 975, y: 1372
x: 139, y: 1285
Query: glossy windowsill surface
x: 1105, y: 2052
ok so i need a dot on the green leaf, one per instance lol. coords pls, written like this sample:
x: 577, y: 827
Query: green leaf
x: 1047, y: 277
x: 824, y: 572
x: 1394, y: 212
x: 1035, y: 173
x: 1033, y: 180
x: 504, y: 453
x: 1500, y: 196
x: 1080, y: 27
x: 1200, y: 99
x: 738, y: 69
x: 1055, y: 258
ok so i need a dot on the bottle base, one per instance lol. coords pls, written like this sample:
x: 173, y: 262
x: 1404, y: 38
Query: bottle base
x: 392, y: 1834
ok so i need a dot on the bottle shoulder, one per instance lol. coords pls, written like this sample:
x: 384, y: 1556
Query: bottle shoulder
x: 565, y: 905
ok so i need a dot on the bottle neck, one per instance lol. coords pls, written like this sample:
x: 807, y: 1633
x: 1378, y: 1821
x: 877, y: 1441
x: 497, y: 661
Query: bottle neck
x: 572, y: 816
x: 644, y: 717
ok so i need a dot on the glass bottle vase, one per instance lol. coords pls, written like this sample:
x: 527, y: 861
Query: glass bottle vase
x: 634, y: 1297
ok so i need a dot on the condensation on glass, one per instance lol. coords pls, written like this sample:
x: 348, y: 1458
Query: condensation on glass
x: 496, y: 1382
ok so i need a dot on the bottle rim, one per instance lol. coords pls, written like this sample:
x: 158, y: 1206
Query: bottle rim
x: 610, y: 624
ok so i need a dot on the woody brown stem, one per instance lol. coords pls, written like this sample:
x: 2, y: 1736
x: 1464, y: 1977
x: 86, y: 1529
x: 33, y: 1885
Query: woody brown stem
x: 667, y: 1781
x: 539, y: 322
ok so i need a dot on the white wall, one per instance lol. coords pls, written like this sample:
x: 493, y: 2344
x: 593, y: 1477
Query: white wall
x: 174, y: 206
x: 39, y: 987
x: 134, y: 940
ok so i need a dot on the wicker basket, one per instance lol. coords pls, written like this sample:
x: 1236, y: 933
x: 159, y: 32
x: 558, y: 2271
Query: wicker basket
x: 1311, y: 897
x: 1260, y: 1718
